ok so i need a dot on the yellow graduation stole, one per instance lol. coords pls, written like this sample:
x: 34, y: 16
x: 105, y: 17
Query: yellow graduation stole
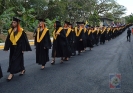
x: 13, y: 38
x: 78, y: 33
x: 93, y: 30
x: 43, y: 34
x: 114, y: 30
x: 68, y: 31
x: 89, y: 32
x: 103, y: 30
x: 84, y: 30
x: 59, y: 30
x: 97, y: 31
x: 108, y: 30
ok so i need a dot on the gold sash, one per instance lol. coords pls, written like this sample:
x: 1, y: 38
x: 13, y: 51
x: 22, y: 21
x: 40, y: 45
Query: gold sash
x: 97, y: 31
x: 54, y: 34
x: 15, y: 38
x: 68, y: 32
x: 108, y: 30
x: 84, y: 30
x: 78, y: 33
x: 42, y: 36
x: 89, y: 32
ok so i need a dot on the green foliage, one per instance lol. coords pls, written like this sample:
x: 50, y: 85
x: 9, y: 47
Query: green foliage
x: 70, y: 10
x: 1, y: 41
x: 129, y: 19
x: 50, y: 25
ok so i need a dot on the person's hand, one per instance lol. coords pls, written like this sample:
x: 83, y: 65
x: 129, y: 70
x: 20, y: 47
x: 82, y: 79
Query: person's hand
x: 73, y: 42
x: 22, y: 51
x: 80, y: 39
x: 44, y: 48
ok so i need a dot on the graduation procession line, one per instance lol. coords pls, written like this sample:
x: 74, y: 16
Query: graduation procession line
x: 66, y: 42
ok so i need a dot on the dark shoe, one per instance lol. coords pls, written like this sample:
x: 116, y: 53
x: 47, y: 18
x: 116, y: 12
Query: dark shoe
x: 22, y: 73
x: 61, y: 62
x: 42, y: 68
x: 53, y: 62
x: 8, y: 80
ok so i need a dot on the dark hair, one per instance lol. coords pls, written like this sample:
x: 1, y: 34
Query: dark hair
x: 58, y: 24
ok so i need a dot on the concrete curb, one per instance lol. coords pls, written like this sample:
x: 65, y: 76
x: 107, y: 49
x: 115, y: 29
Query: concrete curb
x: 30, y: 41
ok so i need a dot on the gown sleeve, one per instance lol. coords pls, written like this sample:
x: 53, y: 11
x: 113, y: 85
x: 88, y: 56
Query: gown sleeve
x: 7, y: 43
x: 25, y: 43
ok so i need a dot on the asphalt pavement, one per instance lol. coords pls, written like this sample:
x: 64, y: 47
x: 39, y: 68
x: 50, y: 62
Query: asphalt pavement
x: 85, y: 73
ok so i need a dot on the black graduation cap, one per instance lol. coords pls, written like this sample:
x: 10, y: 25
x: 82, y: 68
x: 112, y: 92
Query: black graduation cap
x: 83, y: 22
x: 66, y: 22
x: 58, y: 23
x: 70, y: 23
x: 16, y: 19
x: 79, y: 22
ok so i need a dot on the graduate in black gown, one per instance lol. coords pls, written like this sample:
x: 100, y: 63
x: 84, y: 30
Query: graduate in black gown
x: 68, y: 32
x: 17, y: 42
x: 1, y: 75
x: 103, y: 35
x: 59, y: 42
x: 79, y: 30
x: 85, y: 36
x: 73, y: 43
x: 90, y: 38
x: 43, y: 44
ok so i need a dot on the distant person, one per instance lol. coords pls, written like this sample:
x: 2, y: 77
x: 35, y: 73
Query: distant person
x: 128, y: 34
x: 1, y: 75
x: 132, y: 30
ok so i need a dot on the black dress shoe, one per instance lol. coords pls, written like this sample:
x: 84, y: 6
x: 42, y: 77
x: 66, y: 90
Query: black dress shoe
x: 42, y: 68
x: 8, y: 80
x: 53, y: 62
x: 22, y: 74
x: 61, y: 62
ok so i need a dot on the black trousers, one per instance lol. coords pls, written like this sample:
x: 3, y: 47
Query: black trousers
x: 128, y: 37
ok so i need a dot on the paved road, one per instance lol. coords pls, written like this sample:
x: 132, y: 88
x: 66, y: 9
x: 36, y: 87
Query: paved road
x: 87, y: 73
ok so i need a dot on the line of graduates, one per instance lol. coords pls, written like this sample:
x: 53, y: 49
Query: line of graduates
x: 66, y: 41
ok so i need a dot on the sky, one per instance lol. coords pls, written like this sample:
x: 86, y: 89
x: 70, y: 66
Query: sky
x: 128, y: 4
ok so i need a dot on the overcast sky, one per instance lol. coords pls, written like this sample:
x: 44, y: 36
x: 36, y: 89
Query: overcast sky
x: 128, y: 4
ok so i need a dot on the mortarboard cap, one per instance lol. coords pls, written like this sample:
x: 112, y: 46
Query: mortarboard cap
x: 58, y: 23
x: 41, y: 20
x: 79, y: 22
x: 16, y: 19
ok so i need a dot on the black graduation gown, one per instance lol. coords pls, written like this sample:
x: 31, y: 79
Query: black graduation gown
x: 59, y: 45
x: 95, y: 37
x: 16, y: 58
x: 73, y: 47
x: 34, y: 35
x: 69, y: 44
x: 85, y: 38
x: 42, y: 55
x: 90, y: 40
x: 1, y: 75
x: 102, y: 38
x: 80, y: 44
